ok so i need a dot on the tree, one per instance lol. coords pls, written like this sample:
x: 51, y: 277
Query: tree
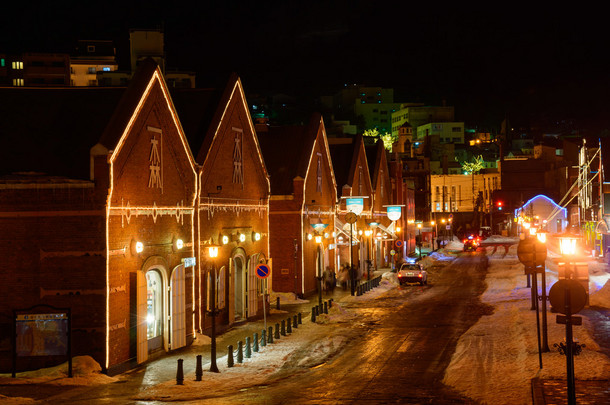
x: 387, y: 138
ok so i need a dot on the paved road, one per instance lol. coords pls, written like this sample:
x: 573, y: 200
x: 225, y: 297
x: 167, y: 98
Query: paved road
x: 401, y: 347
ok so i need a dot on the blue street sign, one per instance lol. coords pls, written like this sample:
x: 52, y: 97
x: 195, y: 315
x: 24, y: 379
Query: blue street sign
x: 263, y: 271
x: 398, y: 243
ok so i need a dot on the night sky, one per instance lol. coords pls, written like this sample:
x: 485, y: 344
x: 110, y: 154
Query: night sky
x: 538, y: 66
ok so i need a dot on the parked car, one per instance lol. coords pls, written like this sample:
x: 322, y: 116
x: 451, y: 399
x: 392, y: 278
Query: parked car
x: 412, y: 273
x: 471, y: 243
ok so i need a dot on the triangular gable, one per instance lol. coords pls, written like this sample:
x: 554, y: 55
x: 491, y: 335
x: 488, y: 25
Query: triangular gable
x: 233, y: 89
x: 317, y: 127
x: 359, y: 159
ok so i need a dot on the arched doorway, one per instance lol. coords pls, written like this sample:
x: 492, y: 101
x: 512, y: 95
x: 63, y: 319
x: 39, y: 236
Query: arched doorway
x: 155, y: 314
x: 239, y: 277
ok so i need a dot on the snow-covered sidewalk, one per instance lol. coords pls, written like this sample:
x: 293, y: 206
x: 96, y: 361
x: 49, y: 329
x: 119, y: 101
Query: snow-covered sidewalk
x: 496, y: 359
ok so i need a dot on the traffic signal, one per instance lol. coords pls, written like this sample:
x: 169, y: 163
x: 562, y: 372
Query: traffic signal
x: 499, y: 205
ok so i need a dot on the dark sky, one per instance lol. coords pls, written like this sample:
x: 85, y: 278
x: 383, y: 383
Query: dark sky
x: 531, y: 63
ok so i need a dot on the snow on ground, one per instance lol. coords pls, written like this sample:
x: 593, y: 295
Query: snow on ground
x: 498, y: 356
x: 490, y: 362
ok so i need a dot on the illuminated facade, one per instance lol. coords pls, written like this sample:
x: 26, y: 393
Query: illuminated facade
x: 302, y: 204
x: 107, y: 211
x: 353, y: 180
x: 233, y: 202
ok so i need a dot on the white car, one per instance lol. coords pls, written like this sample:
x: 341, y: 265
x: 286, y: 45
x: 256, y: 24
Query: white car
x: 412, y: 273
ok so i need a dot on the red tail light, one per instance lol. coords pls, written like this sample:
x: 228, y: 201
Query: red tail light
x: 420, y: 275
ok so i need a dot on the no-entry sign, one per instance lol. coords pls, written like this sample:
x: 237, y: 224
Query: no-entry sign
x: 398, y: 243
x: 263, y: 271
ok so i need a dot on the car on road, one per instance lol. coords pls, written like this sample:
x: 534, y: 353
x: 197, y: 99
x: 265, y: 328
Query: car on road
x: 412, y: 273
x: 471, y: 243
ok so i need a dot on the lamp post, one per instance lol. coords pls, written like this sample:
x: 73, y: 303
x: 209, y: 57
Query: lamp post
x: 433, y: 223
x: 213, y: 253
x: 420, y: 241
x: 443, y: 221
x: 541, y: 236
x: 567, y: 245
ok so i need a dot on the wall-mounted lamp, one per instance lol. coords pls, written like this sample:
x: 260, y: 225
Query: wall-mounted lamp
x: 309, y: 236
x: 224, y: 239
x: 177, y: 244
x: 256, y: 236
x: 241, y: 237
x: 136, y: 247
x: 318, y: 239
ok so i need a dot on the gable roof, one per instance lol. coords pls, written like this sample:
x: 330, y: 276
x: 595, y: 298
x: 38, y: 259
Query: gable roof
x: 51, y: 130
x: 287, y: 152
x: 373, y: 158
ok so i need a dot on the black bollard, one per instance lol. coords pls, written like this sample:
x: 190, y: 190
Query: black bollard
x: 294, y: 322
x: 255, y: 343
x: 317, y: 310
x: 288, y: 326
x: 263, y: 338
x: 240, y: 352
x: 325, y: 307
x: 313, y: 314
x: 248, y: 352
x: 180, y: 373
x: 198, y: 369
x: 278, y: 303
x: 230, y: 356
x: 270, y: 335
x: 299, y: 318
x: 283, y: 329
x: 277, y: 331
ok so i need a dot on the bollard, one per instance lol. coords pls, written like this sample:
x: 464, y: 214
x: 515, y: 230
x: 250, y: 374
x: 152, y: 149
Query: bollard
x: 299, y: 318
x: 283, y: 329
x: 198, y: 369
x: 277, y: 331
x: 255, y: 343
x: 248, y: 352
x: 325, y: 307
x: 313, y: 314
x: 240, y: 352
x: 289, y: 326
x: 330, y: 303
x: 317, y: 310
x: 270, y: 335
x: 263, y: 338
x: 294, y: 321
x: 180, y: 373
x: 278, y: 303
x: 230, y: 356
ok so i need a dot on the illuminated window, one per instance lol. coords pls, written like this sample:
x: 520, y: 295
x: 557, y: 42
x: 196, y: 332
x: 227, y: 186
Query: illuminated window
x: 17, y: 65
x: 2, y: 62
x: 18, y: 82
x: 106, y: 69
x: 91, y: 70
x: 154, y: 303
x: 90, y: 48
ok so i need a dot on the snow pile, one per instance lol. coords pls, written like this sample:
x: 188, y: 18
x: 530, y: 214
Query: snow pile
x: 441, y: 255
x: 85, y: 371
x: 501, y: 239
x: 601, y: 297
x: 454, y: 245
x: 391, y: 277
x: 202, y: 340
x: 494, y: 362
x: 286, y: 298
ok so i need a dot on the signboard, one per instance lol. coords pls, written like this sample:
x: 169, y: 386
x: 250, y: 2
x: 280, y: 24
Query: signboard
x: 398, y: 243
x: 262, y: 271
x: 392, y: 252
x: 448, y: 227
x: 559, y: 292
x: 531, y: 252
x: 394, y: 212
x: 189, y: 262
x: 42, y: 334
x: 450, y: 216
x: 355, y: 205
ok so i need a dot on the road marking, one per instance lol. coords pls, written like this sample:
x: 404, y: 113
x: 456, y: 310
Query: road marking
x: 403, y: 347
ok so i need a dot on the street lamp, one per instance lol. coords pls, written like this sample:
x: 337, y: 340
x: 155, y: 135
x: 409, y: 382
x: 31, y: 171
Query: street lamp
x: 435, y: 225
x: 319, y: 227
x: 567, y: 245
x: 212, y: 283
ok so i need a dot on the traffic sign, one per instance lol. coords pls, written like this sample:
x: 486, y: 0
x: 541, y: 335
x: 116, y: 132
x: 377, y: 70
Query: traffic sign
x: 263, y: 271
x: 531, y: 252
x: 398, y: 243
x: 350, y: 217
x: 392, y: 252
x: 450, y: 216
